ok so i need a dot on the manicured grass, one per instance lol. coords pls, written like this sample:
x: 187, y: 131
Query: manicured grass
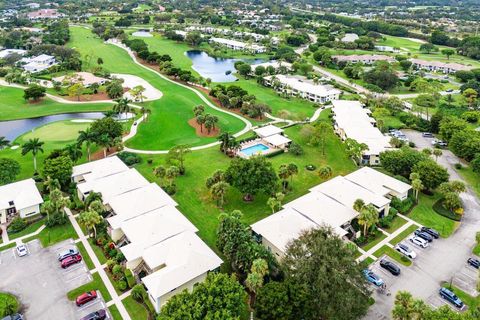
x: 14, y: 107
x: 396, y: 223
x: 135, y: 309
x: 392, y: 253
x: 476, y: 250
x: 8, y: 246
x: 114, y: 312
x: 299, y: 109
x: 95, y: 284
x: 424, y: 214
x: 29, y: 229
x: 86, y: 257
x: 368, y: 261
x: 168, y: 123
x: 402, y: 235
x: 98, y: 252
x: 472, y: 178
x: 195, y: 201
x: 50, y: 236
x: 60, y: 131
x: 373, y: 242
x: 117, y: 290
x: 7, y: 299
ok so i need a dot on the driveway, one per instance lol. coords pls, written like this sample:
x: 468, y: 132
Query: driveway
x: 445, y: 260
x: 41, y: 284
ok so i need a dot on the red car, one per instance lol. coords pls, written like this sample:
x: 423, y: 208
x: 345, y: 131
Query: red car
x: 86, y: 297
x: 67, y: 262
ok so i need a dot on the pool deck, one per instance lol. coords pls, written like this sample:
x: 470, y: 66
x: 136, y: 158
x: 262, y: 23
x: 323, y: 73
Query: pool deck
x: 252, y: 143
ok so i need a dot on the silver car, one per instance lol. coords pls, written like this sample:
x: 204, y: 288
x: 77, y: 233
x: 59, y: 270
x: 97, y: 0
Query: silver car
x: 405, y: 250
x: 418, y: 241
x: 67, y: 253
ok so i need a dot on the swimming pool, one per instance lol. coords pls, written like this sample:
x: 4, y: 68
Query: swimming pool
x: 255, y: 149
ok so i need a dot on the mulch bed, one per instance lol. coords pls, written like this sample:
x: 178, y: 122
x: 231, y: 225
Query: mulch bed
x: 213, y: 133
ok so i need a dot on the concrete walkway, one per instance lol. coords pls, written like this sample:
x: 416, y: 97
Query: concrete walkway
x: 98, y: 266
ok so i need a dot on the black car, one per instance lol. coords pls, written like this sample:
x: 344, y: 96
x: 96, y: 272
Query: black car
x: 97, y: 315
x: 474, y: 263
x: 451, y: 297
x: 16, y: 316
x: 390, y: 266
x: 434, y: 233
x: 423, y: 235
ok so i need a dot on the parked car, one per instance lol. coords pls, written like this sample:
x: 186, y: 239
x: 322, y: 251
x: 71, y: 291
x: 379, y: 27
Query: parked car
x: 427, y: 135
x: 67, y: 253
x: 418, y: 241
x: 86, y: 297
x: 474, y: 262
x: 423, y: 235
x: 451, y: 297
x: 373, y: 278
x: 22, y: 250
x: 405, y: 250
x: 67, y: 262
x: 390, y: 266
x: 439, y: 143
x: 16, y: 316
x: 97, y: 315
x: 434, y: 233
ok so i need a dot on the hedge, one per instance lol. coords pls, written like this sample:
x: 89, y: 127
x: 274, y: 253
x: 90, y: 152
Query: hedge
x: 440, y: 209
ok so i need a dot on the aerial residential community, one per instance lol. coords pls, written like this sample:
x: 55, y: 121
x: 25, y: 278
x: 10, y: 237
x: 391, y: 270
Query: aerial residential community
x: 239, y: 160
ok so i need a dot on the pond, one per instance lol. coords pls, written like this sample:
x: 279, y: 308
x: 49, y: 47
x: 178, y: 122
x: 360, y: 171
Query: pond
x: 15, y: 128
x: 217, y: 69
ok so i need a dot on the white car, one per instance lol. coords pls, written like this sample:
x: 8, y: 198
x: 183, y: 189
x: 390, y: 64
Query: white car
x: 418, y: 241
x: 22, y: 250
x: 405, y: 250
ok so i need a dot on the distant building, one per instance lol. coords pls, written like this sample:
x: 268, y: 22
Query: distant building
x: 349, y: 37
x: 38, y: 63
x: 20, y: 198
x: 302, y: 87
x: 44, y: 14
x: 277, y: 66
x: 365, y: 58
x: 7, y: 52
x: 437, y: 66
x: 238, y: 45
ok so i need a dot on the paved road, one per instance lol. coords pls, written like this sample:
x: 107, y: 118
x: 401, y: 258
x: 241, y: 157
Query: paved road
x: 444, y: 260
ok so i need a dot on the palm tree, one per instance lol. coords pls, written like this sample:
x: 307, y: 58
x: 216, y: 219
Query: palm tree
x: 325, y: 172
x: 171, y: 173
x: 4, y: 142
x: 417, y: 186
x: 88, y: 137
x: 272, y: 202
x: 105, y: 142
x: 74, y: 151
x: 122, y: 106
x: 34, y: 146
x: 51, y: 184
x: 160, y: 172
x: 224, y: 139
x: 284, y: 174
x: 145, y: 111
x: 218, y: 191
x: 437, y: 153
x: 292, y: 170
x: 90, y: 219
x: 358, y: 205
x: 368, y: 216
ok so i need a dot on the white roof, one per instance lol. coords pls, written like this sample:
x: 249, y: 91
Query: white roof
x: 151, y: 228
x: 115, y: 184
x: 268, y: 130
x: 304, y: 85
x: 42, y: 58
x: 355, y: 121
x: 275, y: 64
x: 277, y: 140
x: 136, y: 202
x: 182, y: 258
x: 7, y: 52
x: 443, y: 65
x: 350, y: 37
x: 22, y: 193
x: 99, y: 168
x: 377, y: 182
x: 282, y: 227
x: 346, y: 192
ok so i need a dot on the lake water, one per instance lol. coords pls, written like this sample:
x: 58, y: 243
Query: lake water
x: 15, y: 128
x: 216, y: 68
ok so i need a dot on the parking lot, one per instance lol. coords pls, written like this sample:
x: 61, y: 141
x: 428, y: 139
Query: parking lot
x: 41, y: 284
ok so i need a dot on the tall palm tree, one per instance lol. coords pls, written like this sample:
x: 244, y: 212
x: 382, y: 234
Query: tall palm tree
x: 219, y: 190
x: 90, y: 219
x: 224, y: 139
x: 325, y: 172
x: 88, y: 137
x: 34, y: 146
x: 368, y: 217
x: 105, y: 142
x: 292, y: 170
x: 358, y: 205
x: 74, y: 151
x: 122, y: 106
x: 51, y: 184
x: 4, y: 142
x: 417, y: 186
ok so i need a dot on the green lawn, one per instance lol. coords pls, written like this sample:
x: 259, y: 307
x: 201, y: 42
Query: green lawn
x: 476, y: 249
x: 372, y: 243
x: 29, y: 229
x: 86, y: 257
x: 117, y: 290
x: 472, y: 178
x: 396, y: 223
x: 114, y: 312
x: 194, y: 199
x: 135, y: 309
x: 14, y: 107
x: 8, y: 246
x: 392, y: 253
x: 424, y: 214
x: 402, y: 235
x: 50, y: 236
x: 7, y: 299
x: 95, y: 284
x: 168, y: 124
